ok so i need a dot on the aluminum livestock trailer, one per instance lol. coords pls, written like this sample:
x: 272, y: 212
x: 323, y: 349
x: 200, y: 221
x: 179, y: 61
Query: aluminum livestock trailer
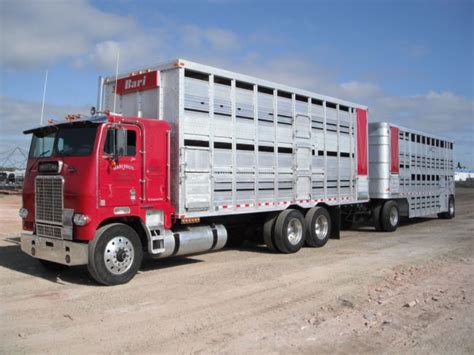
x: 183, y: 158
x: 410, y: 171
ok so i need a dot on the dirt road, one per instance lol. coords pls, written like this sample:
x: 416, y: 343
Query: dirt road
x: 411, y: 290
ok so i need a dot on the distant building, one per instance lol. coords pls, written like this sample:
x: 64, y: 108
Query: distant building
x: 463, y: 175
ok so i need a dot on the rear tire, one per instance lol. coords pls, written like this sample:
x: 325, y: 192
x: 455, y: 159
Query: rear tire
x: 289, y: 231
x: 390, y: 217
x: 52, y: 266
x: 269, y: 230
x: 377, y: 216
x: 318, y: 226
x: 451, y: 213
x: 115, y: 254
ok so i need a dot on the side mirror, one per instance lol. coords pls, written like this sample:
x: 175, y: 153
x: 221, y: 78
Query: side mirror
x: 121, y: 148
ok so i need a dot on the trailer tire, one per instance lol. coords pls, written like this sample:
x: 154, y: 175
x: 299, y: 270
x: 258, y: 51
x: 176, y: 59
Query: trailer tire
x: 269, y: 231
x: 115, y: 254
x: 390, y: 218
x: 377, y: 216
x: 52, y: 266
x: 451, y: 213
x: 290, y: 231
x: 318, y: 226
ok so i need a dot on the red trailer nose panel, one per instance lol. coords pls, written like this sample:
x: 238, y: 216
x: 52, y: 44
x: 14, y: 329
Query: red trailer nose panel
x: 362, y: 150
x: 394, y: 150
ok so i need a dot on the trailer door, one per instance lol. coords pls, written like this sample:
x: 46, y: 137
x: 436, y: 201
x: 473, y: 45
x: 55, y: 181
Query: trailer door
x: 302, y: 157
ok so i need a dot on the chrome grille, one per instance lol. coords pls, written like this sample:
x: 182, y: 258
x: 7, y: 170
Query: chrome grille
x: 48, y: 231
x: 49, y: 199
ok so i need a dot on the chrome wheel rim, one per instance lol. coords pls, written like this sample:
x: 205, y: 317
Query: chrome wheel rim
x: 451, y: 208
x: 321, y: 227
x: 119, y: 255
x: 393, y: 216
x: 295, y: 231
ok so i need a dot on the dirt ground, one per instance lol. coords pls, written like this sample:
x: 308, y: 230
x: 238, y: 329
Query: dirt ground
x: 408, y: 291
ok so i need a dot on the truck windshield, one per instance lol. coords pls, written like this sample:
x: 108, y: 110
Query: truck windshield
x: 63, y: 141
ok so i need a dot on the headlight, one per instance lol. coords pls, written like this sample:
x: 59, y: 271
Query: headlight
x: 80, y: 219
x: 23, y: 212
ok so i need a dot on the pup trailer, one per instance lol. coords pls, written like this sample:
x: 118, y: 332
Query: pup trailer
x: 184, y: 158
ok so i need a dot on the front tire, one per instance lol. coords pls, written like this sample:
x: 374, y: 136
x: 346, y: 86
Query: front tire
x: 318, y: 224
x: 115, y: 254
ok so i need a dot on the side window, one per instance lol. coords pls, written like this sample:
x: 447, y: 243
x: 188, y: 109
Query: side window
x: 131, y: 143
x: 110, y: 145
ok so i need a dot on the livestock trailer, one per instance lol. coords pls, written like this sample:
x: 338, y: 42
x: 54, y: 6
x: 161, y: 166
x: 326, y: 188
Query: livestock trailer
x: 182, y: 158
x: 413, y: 170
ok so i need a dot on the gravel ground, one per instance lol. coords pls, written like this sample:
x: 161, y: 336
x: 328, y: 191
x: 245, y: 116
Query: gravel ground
x: 408, y: 291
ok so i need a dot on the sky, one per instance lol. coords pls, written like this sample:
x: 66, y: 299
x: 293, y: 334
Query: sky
x: 411, y: 62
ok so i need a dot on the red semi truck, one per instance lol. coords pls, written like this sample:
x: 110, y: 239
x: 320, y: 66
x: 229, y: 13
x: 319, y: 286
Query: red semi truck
x: 219, y: 155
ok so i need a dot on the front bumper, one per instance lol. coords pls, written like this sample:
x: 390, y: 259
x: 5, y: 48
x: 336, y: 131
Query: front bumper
x: 56, y: 250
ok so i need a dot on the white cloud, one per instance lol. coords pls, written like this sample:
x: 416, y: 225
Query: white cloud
x: 216, y: 39
x: 39, y: 33
x: 20, y: 115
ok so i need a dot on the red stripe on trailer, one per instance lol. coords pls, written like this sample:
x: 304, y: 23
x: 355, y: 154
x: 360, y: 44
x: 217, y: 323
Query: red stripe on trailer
x: 394, y: 150
x: 362, y: 148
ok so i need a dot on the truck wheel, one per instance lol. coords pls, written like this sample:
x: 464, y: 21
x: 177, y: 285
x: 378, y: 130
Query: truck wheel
x: 269, y: 230
x: 52, y: 266
x: 390, y: 217
x: 318, y: 224
x: 115, y: 254
x: 451, y: 213
x: 289, y: 231
x: 377, y: 216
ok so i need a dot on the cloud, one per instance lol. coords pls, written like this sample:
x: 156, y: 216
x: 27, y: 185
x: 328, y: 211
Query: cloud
x: 20, y: 115
x: 39, y: 33
x: 216, y: 39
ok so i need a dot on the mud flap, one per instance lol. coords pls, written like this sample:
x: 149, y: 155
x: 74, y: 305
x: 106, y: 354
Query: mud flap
x: 335, y: 213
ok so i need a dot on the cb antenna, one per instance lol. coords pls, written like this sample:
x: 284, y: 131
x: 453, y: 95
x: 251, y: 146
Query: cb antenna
x: 44, y: 97
x: 116, y: 77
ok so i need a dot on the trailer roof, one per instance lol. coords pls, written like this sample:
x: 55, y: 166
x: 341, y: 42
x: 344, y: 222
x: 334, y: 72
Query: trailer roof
x: 410, y: 130
x: 184, y: 63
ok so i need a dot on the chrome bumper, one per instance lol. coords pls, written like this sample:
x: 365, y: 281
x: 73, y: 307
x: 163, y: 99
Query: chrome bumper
x: 59, y: 251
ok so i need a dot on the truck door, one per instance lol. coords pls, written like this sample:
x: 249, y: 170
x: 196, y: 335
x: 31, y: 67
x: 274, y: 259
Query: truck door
x: 303, y: 157
x: 120, y: 166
